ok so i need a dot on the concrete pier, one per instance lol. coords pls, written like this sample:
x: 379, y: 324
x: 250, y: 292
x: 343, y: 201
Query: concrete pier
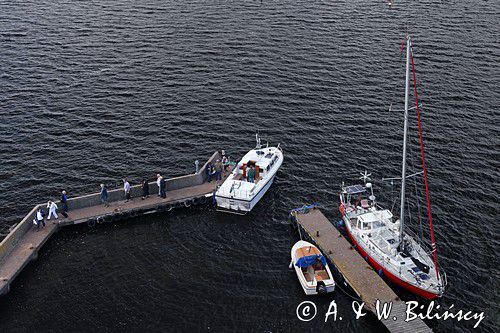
x: 360, y: 276
x: 22, y: 244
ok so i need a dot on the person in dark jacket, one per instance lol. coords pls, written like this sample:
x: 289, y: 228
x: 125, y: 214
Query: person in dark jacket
x: 163, y: 187
x: 145, y: 189
x: 251, y: 174
x: 64, y: 202
x: 209, y: 171
x: 104, y: 195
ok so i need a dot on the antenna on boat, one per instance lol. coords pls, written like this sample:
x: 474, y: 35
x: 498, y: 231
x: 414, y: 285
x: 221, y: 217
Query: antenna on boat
x: 257, y: 138
x: 365, y: 176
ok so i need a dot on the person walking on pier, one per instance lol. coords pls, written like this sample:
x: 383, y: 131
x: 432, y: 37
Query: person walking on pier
x: 209, y: 171
x: 52, y: 207
x: 145, y: 189
x: 64, y: 202
x: 163, y: 187
x: 39, y: 219
x: 218, y: 170
x: 126, y: 189
x: 158, y: 179
x: 104, y: 195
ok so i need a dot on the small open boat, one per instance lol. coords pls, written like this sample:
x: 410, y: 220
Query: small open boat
x: 249, y: 180
x: 312, y: 269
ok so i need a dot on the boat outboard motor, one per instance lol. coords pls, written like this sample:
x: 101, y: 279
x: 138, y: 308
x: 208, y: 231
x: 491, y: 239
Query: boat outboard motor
x: 321, y: 288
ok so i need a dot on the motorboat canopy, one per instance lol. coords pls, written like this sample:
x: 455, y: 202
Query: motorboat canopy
x: 307, y: 261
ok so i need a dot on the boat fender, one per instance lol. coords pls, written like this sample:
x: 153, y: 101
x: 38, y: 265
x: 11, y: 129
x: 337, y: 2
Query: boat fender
x: 196, y: 201
x: 341, y: 223
x: 188, y: 203
x: 91, y: 223
x: 203, y: 200
x: 380, y: 272
x: 108, y: 219
x: 100, y: 220
x: 366, y: 258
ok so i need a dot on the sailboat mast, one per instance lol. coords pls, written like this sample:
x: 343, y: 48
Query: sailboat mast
x: 405, y: 134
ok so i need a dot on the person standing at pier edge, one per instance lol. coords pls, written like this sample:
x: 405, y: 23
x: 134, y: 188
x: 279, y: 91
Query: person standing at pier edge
x: 218, y: 170
x: 52, y: 207
x: 64, y: 202
x: 104, y: 195
x: 163, y: 187
x: 126, y: 189
x: 158, y: 178
x: 145, y: 189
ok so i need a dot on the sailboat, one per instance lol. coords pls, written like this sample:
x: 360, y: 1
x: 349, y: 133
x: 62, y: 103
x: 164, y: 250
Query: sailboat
x: 385, y: 242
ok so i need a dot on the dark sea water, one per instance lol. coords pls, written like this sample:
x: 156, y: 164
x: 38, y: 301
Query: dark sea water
x: 91, y: 91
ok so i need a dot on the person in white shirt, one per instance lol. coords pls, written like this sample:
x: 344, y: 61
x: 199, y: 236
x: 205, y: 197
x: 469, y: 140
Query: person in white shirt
x: 39, y: 221
x: 126, y: 189
x: 158, y: 181
x: 52, y: 207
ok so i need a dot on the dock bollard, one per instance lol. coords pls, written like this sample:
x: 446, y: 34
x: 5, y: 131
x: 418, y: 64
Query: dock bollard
x: 197, y: 165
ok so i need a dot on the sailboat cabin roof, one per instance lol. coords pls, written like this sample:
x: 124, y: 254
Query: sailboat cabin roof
x: 375, y: 216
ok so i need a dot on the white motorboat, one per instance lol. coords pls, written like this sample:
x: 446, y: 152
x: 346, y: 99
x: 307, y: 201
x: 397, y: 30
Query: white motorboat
x: 385, y: 242
x: 312, y: 269
x: 240, y: 192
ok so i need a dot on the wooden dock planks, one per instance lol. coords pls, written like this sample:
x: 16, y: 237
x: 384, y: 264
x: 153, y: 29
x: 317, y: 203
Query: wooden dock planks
x: 369, y: 286
x: 26, y: 249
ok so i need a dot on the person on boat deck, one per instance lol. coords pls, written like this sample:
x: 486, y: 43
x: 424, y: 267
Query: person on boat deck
x: 126, y: 189
x: 209, y: 171
x: 52, y: 207
x: 145, y: 189
x: 104, y: 195
x: 218, y: 170
x: 163, y: 187
x: 251, y: 174
x: 158, y: 178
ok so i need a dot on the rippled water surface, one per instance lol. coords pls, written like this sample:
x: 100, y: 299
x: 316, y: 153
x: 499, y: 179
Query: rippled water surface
x: 95, y: 90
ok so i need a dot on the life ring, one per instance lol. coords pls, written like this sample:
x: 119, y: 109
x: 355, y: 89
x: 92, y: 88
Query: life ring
x: 91, y: 223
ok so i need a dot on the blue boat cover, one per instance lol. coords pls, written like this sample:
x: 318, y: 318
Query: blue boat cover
x: 307, y: 261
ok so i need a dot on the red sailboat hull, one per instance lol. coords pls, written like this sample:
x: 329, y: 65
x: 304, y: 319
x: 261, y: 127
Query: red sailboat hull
x: 411, y: 288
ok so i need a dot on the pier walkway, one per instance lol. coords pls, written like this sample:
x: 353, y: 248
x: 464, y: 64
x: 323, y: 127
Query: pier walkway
x: 22, y: 244
x: 360, y: 276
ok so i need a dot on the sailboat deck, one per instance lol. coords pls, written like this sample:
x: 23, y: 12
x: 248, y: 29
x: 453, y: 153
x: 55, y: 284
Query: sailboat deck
x: 369, y: 286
